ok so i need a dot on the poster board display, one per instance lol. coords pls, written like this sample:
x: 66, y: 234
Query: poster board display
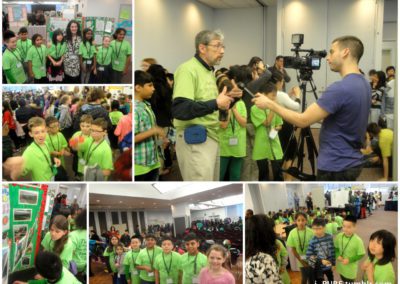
x: 101, y: 26
x: 125, y: 20
x: 5, y: 248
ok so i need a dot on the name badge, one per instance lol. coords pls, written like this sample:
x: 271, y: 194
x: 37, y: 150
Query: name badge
x: 303, y: 257
x: 101, y: 68
x: 116, y: 62
x: 82, y: 161
x: 19, y: 65
x: 150, y: 274
x: 42, y: 68
x: 170, y: 281
x: 89, y: 62
x: 195, y: 280
x: 119, y: 275
x: 134, y: 272
x: 233, y: 141
x: 273, y: 133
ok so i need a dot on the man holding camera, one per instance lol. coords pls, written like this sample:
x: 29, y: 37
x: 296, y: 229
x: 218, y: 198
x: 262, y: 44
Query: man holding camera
x: 278, y: 66
x: 344, y: 109
x: 194, y: 108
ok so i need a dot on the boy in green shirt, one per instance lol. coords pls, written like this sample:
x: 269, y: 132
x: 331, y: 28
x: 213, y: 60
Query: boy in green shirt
x: 167, y: 264
x: 131, y: 272
x: 121, y: 58
x: 349, y: 249
x: 78, y: 239
x: 36, y: 59
x: 58, y: 146
x: 115, y: 114
x: 23, y: 45
x: 36, y: 159
x: 146, y: 258
x: 192, y: 261
x: 77, y: 140
x: 331, y: 227
x: 266, y: 142
x: 13, y: 60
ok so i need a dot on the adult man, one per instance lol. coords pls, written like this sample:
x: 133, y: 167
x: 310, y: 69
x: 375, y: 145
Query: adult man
x: 194, y: 108
x: 278, y: 66
x: 344, y: 107
x: 309, y: 202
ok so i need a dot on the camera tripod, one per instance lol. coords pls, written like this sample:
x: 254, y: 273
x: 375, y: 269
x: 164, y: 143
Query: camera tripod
x: 305, y: 139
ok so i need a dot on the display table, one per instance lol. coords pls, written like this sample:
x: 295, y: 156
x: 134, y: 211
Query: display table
x: 390, y: 205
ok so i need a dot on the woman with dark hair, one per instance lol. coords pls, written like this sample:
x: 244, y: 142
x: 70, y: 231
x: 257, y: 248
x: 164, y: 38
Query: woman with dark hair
x: 378, y: 94
x: 71, y: 61
x: 381, y: 252
x: 257, y: 67
x: 8, y: 119
x: 261, y: 248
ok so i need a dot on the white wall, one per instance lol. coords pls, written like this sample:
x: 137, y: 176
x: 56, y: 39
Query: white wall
x: 103, y: 8
x: 390, y: 20
x: 219, y: 213
x: 166, y: 30
x: 273, y: 196
x: 158, y: 217
x: 248, y: 201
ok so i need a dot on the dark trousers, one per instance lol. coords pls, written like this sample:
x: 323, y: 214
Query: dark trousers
x: 346, y: 280
x: 15, y: 138
x: 42, y: 80
x: 146, y: 282
x: 72, y: 80
x: 150, y: 176
x: 328, y: 274
x: 350, y: 174
x: 307, y: 276
x: 117, y: 77
x: 263, y: 170
x: 119, y: 280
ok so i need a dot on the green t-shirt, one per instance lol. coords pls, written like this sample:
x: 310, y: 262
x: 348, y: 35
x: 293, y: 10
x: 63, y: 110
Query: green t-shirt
x: 264, y: 146
x: 233, y: 139
x: 87, y: 50
x: 195, y: 82
x: 115, y: 116
x: 331, y: 228
x: 66, y: 278
x: 67, y: 253
x: 13, y: 61
x: 339, y: 221
x: 130, y: 260
x: 79, y: 242
x: 38, y: 58
x: 37, y: 161
x: 58, y: 51
x: 141, y: 170
x: 104, y: 55
x: 168, y: 267
x: 23, y: 47
x: 81, y: 150
x: 300, y: 241
x: 98, y: 153
x: 121, y: 51
x: 147, y: 258
x: 282, y: 258
x: 191, y: 266
x: 383, y: 274
x: 56, y: 143
x: 348, y: 247
x: 111, y: 255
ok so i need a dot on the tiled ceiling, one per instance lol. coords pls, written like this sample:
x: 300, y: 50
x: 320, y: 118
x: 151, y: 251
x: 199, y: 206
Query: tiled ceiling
x: 226, y: 4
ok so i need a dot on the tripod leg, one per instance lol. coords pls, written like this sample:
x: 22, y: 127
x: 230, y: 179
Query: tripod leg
x: 311, y: 148
x: 300, y: 151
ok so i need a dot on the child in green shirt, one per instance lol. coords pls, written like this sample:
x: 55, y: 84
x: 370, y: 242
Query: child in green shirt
x: 115, y: 116
x: 349, y: 249
x: 36, y: 59
x: 266, y: 143
x: 282, y: 257
x: 146, y: 259
x: 87, y: 55
x: 13, y: 60
x: 58, y: 146
x: 23, y: 45
x: 167, y: 264
x: 109, y: 253
x: 78, y: 239
x: 104, y: 56
x: 119, y: 275
x: 192, y: 261
x: 121, y: 58
x: 55, y: 54
x: 381, y: 252
x: 131, y: 272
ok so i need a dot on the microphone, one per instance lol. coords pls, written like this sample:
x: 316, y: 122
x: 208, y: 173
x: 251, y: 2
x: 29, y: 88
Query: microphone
x: 243, y: 87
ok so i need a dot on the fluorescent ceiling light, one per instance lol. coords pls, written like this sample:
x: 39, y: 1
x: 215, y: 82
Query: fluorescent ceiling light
x: 165, y: 187
x: 222, y: 202
x: 193, y: 187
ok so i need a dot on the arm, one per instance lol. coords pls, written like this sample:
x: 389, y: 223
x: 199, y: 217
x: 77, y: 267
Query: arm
x: 186, y: 109
x: 127, y: 272
x: 157, y: 276
x: 240, y: 119
x: 143, y: 267
x: 149, y: 133
x: 30, y: 71
x: 296, y: 255
x: 10, y: 76
x: 128, y: 62
x: 268, y: 121
x: 224, y: 124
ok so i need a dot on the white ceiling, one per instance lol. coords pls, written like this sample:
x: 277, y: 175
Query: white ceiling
x: 227, y: 4
x: 139, y: 197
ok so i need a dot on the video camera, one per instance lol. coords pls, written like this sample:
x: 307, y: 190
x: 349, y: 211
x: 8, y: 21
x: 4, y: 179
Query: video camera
x: 311, y: 61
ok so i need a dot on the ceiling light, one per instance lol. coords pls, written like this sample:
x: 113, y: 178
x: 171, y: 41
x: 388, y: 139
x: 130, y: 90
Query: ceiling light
x: 97, y: 200
x: 165, y: 187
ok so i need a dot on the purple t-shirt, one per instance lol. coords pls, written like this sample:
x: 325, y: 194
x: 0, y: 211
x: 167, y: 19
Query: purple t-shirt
x: 343, y: 132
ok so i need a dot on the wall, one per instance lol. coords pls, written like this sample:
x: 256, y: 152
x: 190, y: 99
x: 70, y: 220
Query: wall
x: 208, y: 214
x: 390, y: 20
x: 166, y: 30
x: 103, y: 8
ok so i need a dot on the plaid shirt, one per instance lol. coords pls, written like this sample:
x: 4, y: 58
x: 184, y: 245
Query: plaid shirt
x: 146, y: 150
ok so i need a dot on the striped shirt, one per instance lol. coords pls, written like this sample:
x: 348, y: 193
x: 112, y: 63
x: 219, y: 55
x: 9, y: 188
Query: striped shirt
x: 321, y: 248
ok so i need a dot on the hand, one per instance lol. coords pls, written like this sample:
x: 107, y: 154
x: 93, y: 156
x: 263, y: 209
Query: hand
x: 57, y: 162
x: 345, y: 261
x: 95, y: 71
x: 261, y: 101
x: 66, y: 153
x: 340, y: 258
x: 236, y: 92
x: 125, y: 71
x: 165, y: 143
x: 295, y: 92
x: 223, y: 100
x: 14, y: 166
x: 20, y: 282
x: 326, y: 262
x: 364, y: 265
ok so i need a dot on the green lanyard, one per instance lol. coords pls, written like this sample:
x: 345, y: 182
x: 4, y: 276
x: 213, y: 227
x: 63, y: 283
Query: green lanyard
x: 57, y: 52
x: 89, y: 154
x: 47, y: 159
x: 12, y: 52
x: 120, y: 47
x: 344, y: 249
x: 194, y: 264
x: 40, y: 57
x: 302, y: 246
x: 152, y: 258
x: 104, y: 57
x: 26, y: 47
x: 232, y: 123
x: 165, y: 264
x: 58, y: 143
x: 88, y: 49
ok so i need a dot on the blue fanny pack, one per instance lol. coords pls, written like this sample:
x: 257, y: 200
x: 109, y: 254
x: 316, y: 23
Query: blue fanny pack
x: 195, y: 134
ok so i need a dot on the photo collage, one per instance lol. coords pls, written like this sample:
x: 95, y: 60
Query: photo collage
x: 265, y: 142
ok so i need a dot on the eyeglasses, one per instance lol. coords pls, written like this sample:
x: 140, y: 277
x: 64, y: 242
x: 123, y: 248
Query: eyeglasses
x: 217, y: 46
x: 92, y: 130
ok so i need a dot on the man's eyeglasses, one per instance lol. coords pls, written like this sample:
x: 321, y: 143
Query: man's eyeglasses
x: 217, y: 46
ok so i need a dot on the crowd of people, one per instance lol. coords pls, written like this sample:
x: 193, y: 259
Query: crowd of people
x: 71, y: 57
x: 65, y: 136
x: 156, y: 256
x: 217, y: 129
x: 321, y: 241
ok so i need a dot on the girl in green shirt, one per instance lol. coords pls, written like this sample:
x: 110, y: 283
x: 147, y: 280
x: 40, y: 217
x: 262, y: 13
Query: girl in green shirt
x: 103, y: 62
x: 381, y: 252
x: 55, y: 54
x: 121, y: 58
x: 87, y: 52
x: 109, y: 253
x: 36, y: 58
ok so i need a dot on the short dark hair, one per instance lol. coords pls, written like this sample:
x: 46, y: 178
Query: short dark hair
x: 389, y: 246
x: 350, y: 218
x: 23, y: 30
x: 318, y: 222
x: 373, y: 128
x: 35, y: 37
x: 142, y: 78
x: 80, y: 220
x: 50, y: 120
x: 49, y: 265
x: 389, y: 68
x: 267, y: 87
x: 7, y: 35
x: 353, y: 43
x: 150, y: 236
x: 278, y: 57
x: 276, y: 77
x: 115, y: 105
x: 298, y: 214
x: 100, y: 122
x: 167, y: 239
x: 371, y: 72
x: 190, y: 237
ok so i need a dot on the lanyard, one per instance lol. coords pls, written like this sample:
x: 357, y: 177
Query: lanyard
x: 326, y: 253
x: 120, y: 47
x: 58, y: 143
x: 232, y: 123
x: 152, y: 258
x: 165, y: 264
x: 194, y: 264
x: 133, y: 260
x: 47, y: 159
x: 89, y: 154
x: 104, y: 57
x: 302, y: 246
x: 57, y: 52
x: 118, y: 259
x: 26, y: 47
x: 88, y: 49
x: 342, y: 254
x: 12, y: 52
x: 41, y: 51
